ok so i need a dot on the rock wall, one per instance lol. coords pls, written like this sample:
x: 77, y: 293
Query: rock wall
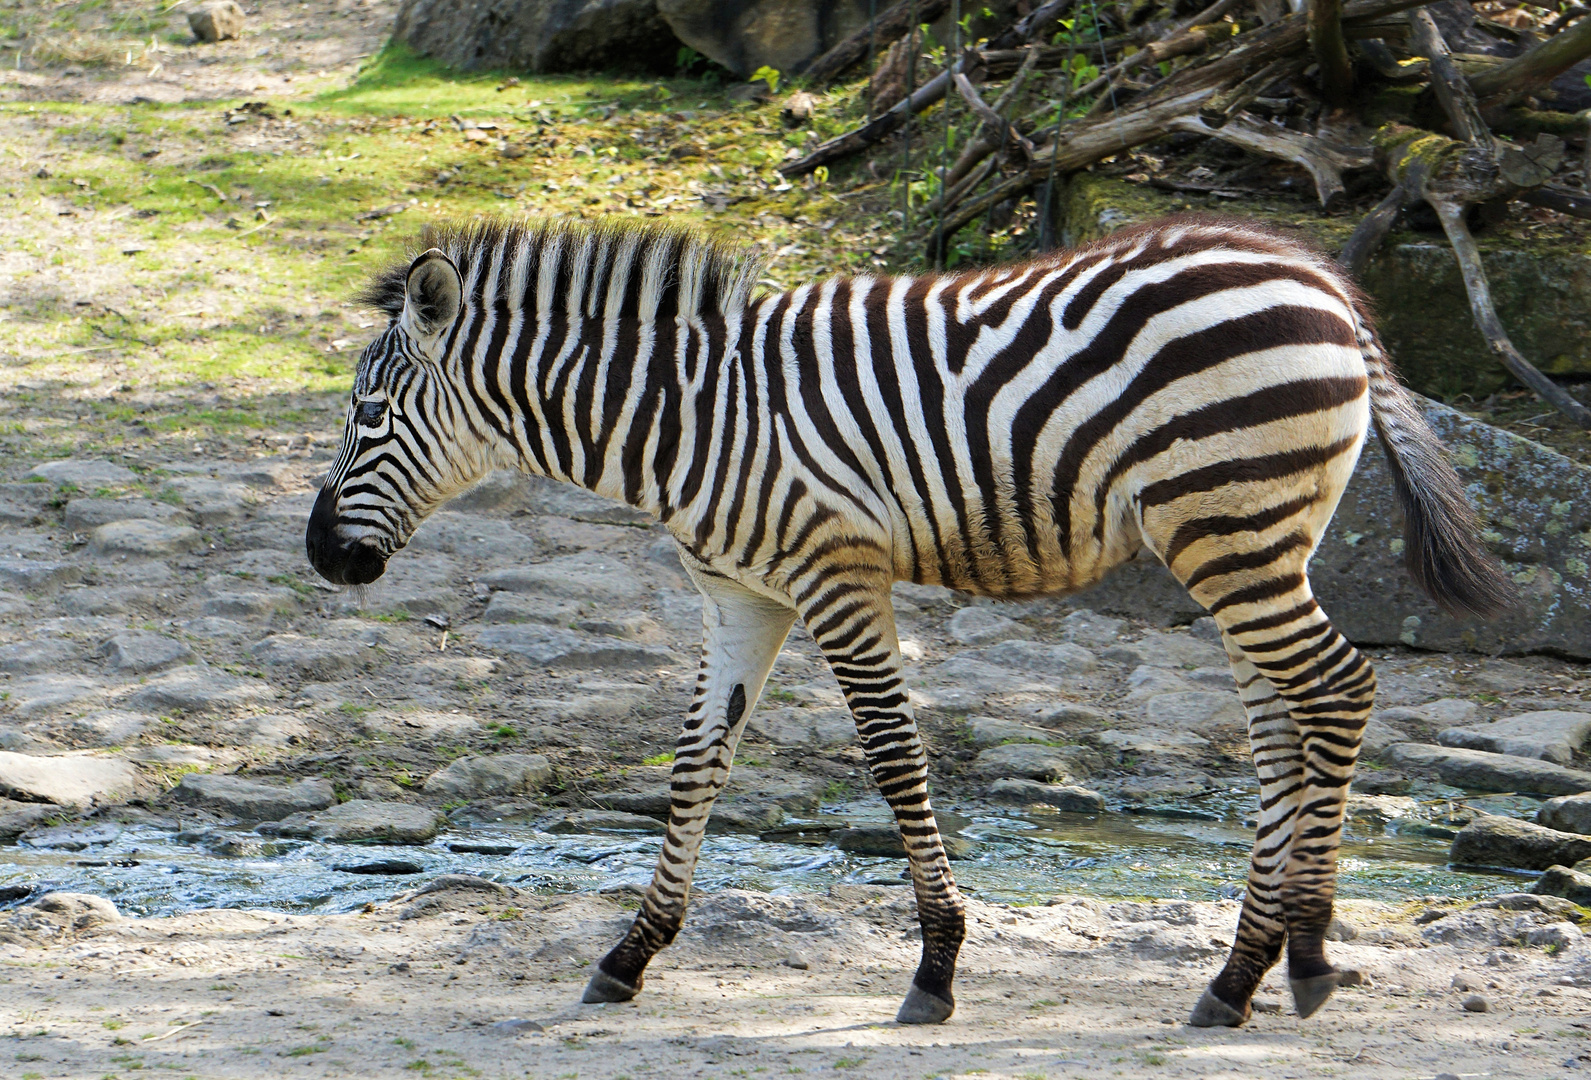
x: 1537, y: 509
x: 744, y: 35
x: 539, y: 35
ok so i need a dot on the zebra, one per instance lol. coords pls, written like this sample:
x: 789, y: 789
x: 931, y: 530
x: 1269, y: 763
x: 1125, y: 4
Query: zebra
x: 1197, y: 387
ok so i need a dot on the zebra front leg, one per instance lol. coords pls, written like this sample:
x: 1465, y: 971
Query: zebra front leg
x: 854, y: 624
x: 1262, y: 927
x: 742, y: 633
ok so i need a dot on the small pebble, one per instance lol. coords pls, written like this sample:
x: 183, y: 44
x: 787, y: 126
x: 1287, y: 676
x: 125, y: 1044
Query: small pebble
x: 1476, y: 1004
x: 1447, y: 1076
x: 514, y: 1026
x: 1460, y: 983
x: 1266, y: 1005
x: 798, y: 961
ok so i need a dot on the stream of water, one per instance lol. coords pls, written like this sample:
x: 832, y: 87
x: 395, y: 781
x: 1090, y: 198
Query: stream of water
x: 1196, y: 850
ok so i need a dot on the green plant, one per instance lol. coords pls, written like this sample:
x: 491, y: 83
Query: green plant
x: 664, y: 758
x: 768, y: 75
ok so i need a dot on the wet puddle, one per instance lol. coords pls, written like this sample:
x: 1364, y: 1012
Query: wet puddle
x: 1195, y: 850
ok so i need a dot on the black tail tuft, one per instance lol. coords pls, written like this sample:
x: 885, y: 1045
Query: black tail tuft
x: 1442, y: 548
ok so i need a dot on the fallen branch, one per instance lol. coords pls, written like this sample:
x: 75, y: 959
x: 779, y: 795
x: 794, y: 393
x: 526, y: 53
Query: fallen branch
x: 889, y: 26
x: 1323, y: 158
x: 1452, y: 90
x: 992, y: 119
x: 1225, y: 105
x: 1557, y: 198
x: 1532, y: 71
x: 1480, y: 301
x: 1373, y: 229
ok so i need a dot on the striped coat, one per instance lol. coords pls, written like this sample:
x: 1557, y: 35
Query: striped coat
x: 1198, y: 388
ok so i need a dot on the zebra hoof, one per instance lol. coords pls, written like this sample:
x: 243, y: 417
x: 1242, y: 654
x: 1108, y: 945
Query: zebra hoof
x: 921, y: 1007
x: 604, y: 987
x: 1211, y: 1011
x: 1310, y: 994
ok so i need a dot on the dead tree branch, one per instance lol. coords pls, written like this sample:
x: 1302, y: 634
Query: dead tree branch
x: 1323, y: 158
x: 1533, y: 70
x: 894, y: 23
x: 1451, y: 88
x: 1480, y: 299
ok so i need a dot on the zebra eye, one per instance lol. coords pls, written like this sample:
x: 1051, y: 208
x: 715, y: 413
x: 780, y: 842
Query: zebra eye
x: 370, y: 413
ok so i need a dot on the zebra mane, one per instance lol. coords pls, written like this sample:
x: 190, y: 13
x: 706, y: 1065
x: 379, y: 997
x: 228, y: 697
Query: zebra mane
x: 688, y: 272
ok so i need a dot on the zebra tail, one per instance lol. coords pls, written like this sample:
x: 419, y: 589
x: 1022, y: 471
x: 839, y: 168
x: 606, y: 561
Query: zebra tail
x: 1442, y: 548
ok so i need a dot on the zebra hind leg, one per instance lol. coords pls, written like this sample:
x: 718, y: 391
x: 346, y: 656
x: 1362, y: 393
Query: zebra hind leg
x: 742, y: 633
x: 853, y: 622
x: 1328, y: 687
x: 1262, y: 927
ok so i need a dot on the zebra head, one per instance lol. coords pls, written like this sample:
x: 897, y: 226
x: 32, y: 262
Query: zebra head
x: 409, y: 444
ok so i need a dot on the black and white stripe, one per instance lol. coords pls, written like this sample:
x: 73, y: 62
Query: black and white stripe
x: 1198, y: 388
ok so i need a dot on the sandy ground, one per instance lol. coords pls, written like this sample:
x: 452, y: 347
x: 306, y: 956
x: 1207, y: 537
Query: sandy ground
x: 1078, y: 988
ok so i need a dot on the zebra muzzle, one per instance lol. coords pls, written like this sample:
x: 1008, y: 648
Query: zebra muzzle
x: 339, y: 561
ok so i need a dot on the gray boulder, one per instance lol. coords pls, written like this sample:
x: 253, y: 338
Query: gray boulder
x: 1063, y: 659
x: 250, y: 800
x: 1551, y: 735
x: 1567, y: 813
x: 983, y: 626
x: 76, y: 780
x: 744, y: 35
x: 311, y: 658
x: 143, y: 538
x: 587, y: 821
x: 804, y: 728
x: 82, y: 515
x: 1067, y: 798
x: 539, y: 35
x: 138, y: 652
x: 1570, y: 884
x: 499, y: 774
x: 39, y: 654
x: 1490, y: 840
x: 546, y: 645
x: 883, y: 841
x: 993, y: 731
x: 17, y: 818
x: 219, y: 20
x: 36, y: 575
x: 84, y: 474
x: 362, y: 821
x: 198, y: 689
x: 1478, y: 770
x: 584, y: 577
x: 1035, y: 761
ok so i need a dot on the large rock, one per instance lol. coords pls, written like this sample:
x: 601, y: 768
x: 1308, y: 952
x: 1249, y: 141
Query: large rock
x: 1065, y: 797
x: 311, y: 658
x: 75, y: 780
x: 1562, y: 881
x: 218, y: 20
x: 982, y: 625
x: 360, y: 821
x: 17, y: 818
x: 1034, y: 761
x: 539, y: 35
x: 1064, y: 659
x: 804, y: 728
x: 744, y: 35
x: 198, y: 689
x: 1204, y: 712
x: 591, y: 578
x: 1490, y: 840
x: 82, y: 515
x: 143, y: 538
x: 1477, y: 770
x: 1551, y: 735
x: 500, y: 774
x: 36, y: 575
x: 138, y: 652
x: 551, y: 647
x: 39, y: 654
x: 1567, y: 813
x: 253, y: 800
x: 883, y: 841
x: 84, y: 474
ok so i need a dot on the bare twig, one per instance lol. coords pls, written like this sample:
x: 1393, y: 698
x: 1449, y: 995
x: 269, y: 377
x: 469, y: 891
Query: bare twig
x: 1451, y: 88
x: 1324, y: 158
x: 1372, y: 231
x: 993, y: 120
x: 1480, y: 301
x: 1225, y: 105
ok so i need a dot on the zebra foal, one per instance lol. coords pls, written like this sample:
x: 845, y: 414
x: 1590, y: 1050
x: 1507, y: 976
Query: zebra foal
x: 1200, y: 388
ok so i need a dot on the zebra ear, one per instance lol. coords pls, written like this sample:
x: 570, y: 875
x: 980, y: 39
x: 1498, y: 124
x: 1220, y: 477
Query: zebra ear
x: 433, y: 294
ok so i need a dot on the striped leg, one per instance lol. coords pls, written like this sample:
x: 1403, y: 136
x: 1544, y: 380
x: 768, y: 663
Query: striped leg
x: 1328, y: 687
x: 1262, y: 927
x: 742, y: 633
x: 853, y: 622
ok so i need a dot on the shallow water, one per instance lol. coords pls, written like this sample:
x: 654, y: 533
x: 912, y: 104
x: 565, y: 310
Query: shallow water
x: 1194, y: 850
